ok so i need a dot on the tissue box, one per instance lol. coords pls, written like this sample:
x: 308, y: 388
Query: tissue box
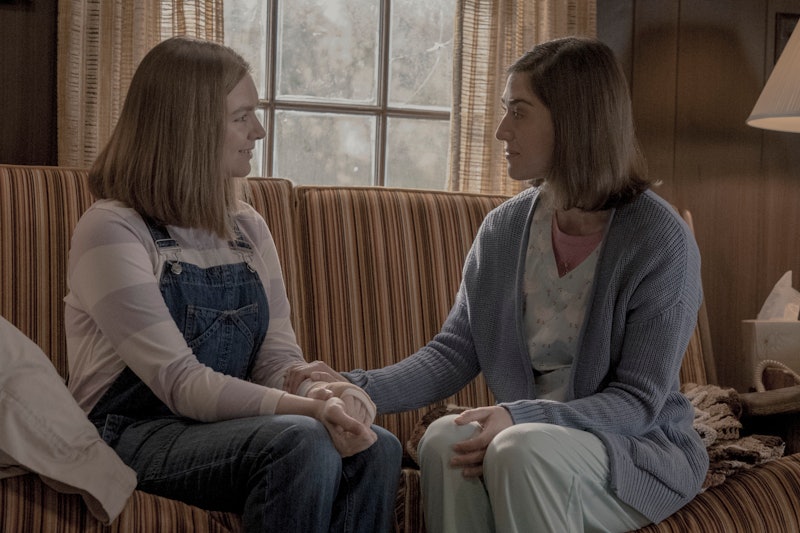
x: 778, y: 340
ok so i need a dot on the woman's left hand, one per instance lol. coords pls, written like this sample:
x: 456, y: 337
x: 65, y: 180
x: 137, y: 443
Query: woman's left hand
x: 470, y: 453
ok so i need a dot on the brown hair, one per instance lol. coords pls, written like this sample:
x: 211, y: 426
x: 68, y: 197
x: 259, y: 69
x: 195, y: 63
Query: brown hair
x: 597, y: 163
x: 164, y: 156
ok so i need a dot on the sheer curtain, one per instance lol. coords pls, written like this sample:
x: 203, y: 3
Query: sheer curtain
x: 489, y: 36
x: 100, y: 43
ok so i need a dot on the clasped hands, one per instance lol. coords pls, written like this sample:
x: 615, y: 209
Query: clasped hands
x: 468, y: 454
x: 347, y: 411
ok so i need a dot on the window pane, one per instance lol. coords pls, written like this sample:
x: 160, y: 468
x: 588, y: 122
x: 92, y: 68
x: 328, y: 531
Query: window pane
x: 324, y: 149
x: 246, y: 32
x: 328, y: 49
x: 421, y: 53
x: 416, y: 153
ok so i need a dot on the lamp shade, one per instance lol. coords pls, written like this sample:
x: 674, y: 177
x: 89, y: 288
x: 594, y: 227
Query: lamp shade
x: 778, y: 106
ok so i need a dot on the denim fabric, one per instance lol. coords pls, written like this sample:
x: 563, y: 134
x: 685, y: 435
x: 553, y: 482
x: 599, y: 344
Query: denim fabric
x: 281, y: 472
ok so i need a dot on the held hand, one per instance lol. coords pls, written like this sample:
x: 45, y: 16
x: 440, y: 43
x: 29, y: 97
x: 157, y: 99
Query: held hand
x: 315, y: 371
x: 349, y: 436
x: 357, y: 403
x: 470, y: 453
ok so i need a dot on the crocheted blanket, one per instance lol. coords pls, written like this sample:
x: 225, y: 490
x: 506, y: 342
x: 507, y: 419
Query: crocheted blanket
x: 716, y: 419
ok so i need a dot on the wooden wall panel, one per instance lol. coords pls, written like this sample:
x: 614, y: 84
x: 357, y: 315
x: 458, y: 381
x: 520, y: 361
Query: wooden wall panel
x: 615, y: 28
x: 28, y: 82
x: 697, y: 68
x: 653, y: 87
x: 717, y: 157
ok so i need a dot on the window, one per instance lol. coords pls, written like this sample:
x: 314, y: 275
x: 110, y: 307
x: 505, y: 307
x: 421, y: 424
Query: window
x: 353, y: 92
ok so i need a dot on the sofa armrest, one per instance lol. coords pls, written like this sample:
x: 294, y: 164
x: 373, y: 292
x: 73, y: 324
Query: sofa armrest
x: 774, y: 412
x: 771, y: 402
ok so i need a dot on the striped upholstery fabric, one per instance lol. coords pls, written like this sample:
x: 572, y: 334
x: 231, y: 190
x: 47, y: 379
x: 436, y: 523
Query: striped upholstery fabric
x: 39, y: 207
x: 381, y: 269
x: 273, y: 198
x: 28, y: 505
x: 761, y: 500
x: 408, y: 505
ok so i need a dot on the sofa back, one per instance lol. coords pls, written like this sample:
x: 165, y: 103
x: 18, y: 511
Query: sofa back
x: 274, y: 199
x: 371, y: 272
x: 381, y: 268
x: 39, y: 207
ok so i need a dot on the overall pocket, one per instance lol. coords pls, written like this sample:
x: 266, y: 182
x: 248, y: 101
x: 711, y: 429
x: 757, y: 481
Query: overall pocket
x: 222, y: 339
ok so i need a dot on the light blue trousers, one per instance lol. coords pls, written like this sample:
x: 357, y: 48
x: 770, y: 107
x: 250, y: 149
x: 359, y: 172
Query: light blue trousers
x: 536, y: 478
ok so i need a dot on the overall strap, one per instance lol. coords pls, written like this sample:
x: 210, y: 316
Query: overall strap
x: 165, y: 244
x: 242, y: 247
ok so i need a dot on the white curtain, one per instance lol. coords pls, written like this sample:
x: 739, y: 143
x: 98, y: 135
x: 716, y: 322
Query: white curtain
x: 489, y: 36
x: 100, y: 43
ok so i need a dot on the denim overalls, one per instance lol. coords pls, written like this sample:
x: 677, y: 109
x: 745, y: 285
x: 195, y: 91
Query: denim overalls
x: 281, y: 472
x: 223, y: 314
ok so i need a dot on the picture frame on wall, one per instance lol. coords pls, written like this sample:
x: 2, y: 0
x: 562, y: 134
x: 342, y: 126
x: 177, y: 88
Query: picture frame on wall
x: 784, y: 26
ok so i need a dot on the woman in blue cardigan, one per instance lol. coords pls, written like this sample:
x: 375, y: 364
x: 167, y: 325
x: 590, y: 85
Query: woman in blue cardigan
x: 578, y: 300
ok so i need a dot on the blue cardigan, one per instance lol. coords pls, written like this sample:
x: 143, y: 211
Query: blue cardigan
x: 624, y: 385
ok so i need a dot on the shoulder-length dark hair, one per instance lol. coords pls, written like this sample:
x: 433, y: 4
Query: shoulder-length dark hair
x: 597, y: 163
x: 164, y: 156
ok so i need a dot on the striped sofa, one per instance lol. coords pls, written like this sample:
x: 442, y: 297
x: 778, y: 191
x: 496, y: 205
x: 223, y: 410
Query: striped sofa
x: 371, y: 274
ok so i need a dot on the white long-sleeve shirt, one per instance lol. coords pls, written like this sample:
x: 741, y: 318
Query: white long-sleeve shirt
x: 116, y: 316
x: 43, y: 430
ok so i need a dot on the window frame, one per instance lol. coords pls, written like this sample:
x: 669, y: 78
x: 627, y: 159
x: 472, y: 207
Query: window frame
x: 381, y: 110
